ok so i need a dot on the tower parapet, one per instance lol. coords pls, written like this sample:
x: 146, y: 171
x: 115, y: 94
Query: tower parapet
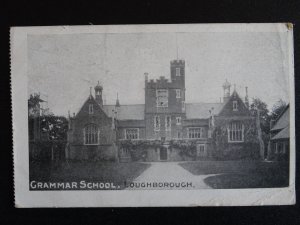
x: 177, y: 74
x: 178, y: 62
x: 162, y: 82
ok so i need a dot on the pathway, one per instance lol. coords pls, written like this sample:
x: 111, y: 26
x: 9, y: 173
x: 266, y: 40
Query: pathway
x: 170, y: 172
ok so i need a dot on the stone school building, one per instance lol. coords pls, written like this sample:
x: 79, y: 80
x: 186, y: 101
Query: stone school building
x: 165, y: 128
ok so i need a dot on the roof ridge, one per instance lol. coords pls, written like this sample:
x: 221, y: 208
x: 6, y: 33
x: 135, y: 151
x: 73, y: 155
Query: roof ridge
x: 124, y: 104
x: 204, y: 102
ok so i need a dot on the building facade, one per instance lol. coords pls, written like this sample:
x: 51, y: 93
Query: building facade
x: 280, y: 136
x: 165, y: 128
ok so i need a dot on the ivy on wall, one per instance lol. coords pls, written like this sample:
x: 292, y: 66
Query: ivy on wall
x: 138, y: 148
x: 220, y: 148
x: 247, y: 149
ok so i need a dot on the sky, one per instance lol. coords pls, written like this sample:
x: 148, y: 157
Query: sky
x: 63, y: 67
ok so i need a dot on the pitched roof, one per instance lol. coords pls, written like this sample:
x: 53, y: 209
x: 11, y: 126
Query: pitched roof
x: 136, y: 112
x: 201, y: 110
x: 195, y: 122
x: 285, y: 133
x: 126, y: 112
x: 283, y: 120
x: 131, y: 123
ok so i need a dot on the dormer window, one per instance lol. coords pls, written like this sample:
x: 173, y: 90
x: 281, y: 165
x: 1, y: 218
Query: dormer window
x: 235, y: 105
x: 178, y: 72
x: 91, y: 109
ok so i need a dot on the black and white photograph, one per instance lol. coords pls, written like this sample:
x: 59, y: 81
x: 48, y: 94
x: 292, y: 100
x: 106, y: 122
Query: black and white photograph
x: 204, y: 111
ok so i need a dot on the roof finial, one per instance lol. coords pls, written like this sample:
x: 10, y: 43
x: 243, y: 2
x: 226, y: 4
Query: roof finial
x: 90, y: 90
x: 117, y: 101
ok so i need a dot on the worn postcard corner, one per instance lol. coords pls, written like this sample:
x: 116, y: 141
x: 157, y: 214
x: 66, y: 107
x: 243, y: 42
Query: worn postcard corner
x: 153, y: 115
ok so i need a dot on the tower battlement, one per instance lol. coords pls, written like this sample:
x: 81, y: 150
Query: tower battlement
x: 177, y: 62
x: 161, y: 82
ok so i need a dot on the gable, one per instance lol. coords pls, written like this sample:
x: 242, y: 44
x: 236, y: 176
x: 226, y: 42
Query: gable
x: 228, y: 109
x: 97, y: 110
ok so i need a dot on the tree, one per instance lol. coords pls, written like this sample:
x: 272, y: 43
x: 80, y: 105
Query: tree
x: 55, y: 127
x: 260, y: 110
x: 277, y: 109
x: 34, y: 105
x: 258, y: 104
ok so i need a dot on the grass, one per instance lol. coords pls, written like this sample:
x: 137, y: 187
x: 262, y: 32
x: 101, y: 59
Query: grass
x: 116, y: 173
x: 241, y: 174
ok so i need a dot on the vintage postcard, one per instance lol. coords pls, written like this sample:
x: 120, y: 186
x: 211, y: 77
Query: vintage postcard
x: 153, y: 115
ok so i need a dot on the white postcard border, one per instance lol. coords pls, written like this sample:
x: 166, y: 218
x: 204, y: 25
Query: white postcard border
x: 132, y: 198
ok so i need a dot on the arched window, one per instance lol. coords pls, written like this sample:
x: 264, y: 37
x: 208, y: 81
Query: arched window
x: 236, y: 132
x: 91, y: 134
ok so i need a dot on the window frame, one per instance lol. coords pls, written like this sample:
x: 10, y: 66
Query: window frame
x: 178, y: 118
x: 168, y: 128
x: 235, y: 105
x: 137, y: 134
x: 194, y: 135
x: 124, y: 152
x: 156, y: 128
x: 179, y: 134
x: 201, y: 152
x: 159, y: 96
x: 96, y: 135
x: 177, y: 71
x: 237, y: 132
x: 183, y: 105
x: 178, y: 93
x: 91, y: 109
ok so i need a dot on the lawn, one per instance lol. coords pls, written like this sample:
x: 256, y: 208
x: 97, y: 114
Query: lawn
x: 116, y: 173
x: 241, y: 174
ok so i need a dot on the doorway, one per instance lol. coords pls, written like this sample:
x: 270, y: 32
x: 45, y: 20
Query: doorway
x: 163, y: 153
